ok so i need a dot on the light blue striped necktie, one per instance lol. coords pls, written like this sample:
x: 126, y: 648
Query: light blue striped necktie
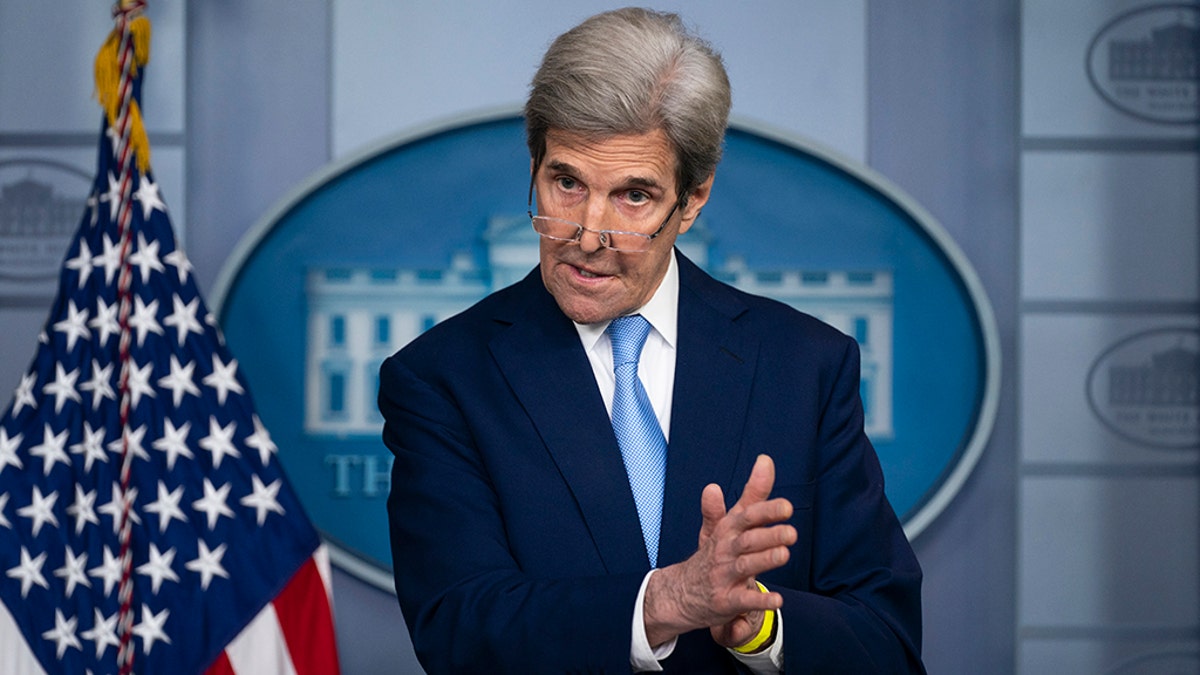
x: 643, y: 446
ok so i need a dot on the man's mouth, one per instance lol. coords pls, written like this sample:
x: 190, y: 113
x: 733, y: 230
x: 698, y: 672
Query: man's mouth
x: 586, y: 273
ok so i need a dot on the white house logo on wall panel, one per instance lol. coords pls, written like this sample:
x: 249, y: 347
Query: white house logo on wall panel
x: 378, y: 249
x: 1146, y: 63
x: 1146, y: 388
x: 40, y: 202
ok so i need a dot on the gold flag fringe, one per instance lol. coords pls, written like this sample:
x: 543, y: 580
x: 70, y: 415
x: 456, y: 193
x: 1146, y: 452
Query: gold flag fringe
x: 108, y: 84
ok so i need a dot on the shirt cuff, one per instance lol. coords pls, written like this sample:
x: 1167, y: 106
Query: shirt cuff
x: 642, y: 657
x: 770, y: 660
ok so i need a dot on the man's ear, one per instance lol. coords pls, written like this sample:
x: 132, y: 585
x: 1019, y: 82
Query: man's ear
x: 696, y: 199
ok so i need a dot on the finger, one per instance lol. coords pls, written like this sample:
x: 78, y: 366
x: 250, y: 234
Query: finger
x: 763, y: 538
x: 712, y: 509
x: 750, y: 565
x: 762, y: 479
x: 747, y: 601
x: 761, y: 514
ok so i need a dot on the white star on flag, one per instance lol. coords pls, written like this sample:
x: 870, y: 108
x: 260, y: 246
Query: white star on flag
x: 208, y: 564
x: 112, y: 196
x: 82, y: 263
x: 174, y: 442
x: 110, y: 260
x: 145, y: 319
x: 147, y: 194
x: 116, y: 506
x: 179, y: 260
x: 99, y: 384
x: 213, y: 504
x: 151, y: 628
x: 83, y: 509
x: 63, y: 387
x: 131, y: 442
x: 74, y: 326
x: 109, y: 571
x: 262, y: 499
x: 63, y: 633
x: 23, y: 396
x: 183, y: 318
x: 139, y: 382
x: 73, y: 571
x: 179, y: 381
x: 145, y: 258
x: 103, y: 632
x: 91, y: 446
x: 223, y: 379
x: 105, y: 321
x: 261, y: 440
x: 8, y: 450
x: 167, y: 506
x: 51, y: 449
x: 40, y: 511
x: 29, y: 571
x: 159, y: 567
x: 219, y: 441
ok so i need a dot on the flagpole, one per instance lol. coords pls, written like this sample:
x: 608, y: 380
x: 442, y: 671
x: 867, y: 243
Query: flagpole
x: 125, y: 14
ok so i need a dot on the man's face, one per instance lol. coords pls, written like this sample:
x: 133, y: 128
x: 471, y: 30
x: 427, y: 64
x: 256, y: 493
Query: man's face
x: 626, y: 183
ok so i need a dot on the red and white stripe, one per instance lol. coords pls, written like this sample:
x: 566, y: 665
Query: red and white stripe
x: 293, y: 634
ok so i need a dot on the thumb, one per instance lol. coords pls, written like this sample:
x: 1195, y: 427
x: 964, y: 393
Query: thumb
x: 712, y: 508
x: 761, y: 481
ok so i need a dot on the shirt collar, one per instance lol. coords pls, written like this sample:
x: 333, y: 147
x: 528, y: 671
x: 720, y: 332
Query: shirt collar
x: 662, y: 311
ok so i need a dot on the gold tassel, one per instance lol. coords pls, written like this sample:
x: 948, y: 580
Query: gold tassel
x: 141, y: 40
x: 108, y: 84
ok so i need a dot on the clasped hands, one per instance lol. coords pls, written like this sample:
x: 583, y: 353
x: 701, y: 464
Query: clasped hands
x: 715, y: 587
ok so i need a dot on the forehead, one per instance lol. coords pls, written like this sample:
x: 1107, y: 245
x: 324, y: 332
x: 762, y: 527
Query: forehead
x: 645, y: 157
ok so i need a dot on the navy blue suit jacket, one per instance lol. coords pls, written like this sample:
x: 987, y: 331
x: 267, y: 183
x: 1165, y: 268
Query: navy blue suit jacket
x: 515, y: 539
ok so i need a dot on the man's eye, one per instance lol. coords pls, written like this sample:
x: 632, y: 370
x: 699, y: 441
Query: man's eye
x: 637, y: 197
x: 566, y: 182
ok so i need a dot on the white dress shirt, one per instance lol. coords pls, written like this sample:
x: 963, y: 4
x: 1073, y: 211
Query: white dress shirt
x: 656, y: 368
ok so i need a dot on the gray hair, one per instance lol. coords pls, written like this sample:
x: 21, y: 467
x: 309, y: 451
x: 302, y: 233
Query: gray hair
x: 631, y: 71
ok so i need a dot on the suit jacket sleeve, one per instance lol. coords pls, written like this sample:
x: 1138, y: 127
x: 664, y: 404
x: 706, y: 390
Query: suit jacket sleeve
x: 852, y: 604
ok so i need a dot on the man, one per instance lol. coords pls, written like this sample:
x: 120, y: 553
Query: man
x: 567, y: 499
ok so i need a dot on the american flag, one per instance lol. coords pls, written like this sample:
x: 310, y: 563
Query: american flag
x: 228, y: 575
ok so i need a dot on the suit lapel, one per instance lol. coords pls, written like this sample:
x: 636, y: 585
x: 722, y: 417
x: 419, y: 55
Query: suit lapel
x: 714, y: 369
x: 544, y: 362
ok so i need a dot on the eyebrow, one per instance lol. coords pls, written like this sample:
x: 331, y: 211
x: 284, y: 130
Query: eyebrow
x: 631, y: 181
x: 556, y: 165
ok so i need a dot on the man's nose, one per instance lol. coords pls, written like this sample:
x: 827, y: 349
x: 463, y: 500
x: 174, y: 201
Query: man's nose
x: 591, y: 241
x: 593, y: 218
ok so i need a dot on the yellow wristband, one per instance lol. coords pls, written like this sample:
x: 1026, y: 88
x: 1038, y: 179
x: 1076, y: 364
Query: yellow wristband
x: 764, y: 634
